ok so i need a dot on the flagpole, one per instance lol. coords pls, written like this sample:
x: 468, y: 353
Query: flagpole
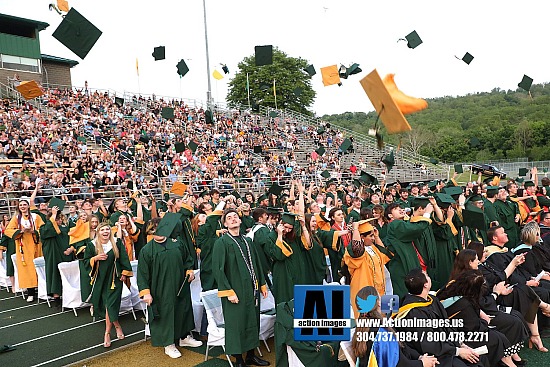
x: 248, y: 90
x: 209, y: 92
x: 275, y: 93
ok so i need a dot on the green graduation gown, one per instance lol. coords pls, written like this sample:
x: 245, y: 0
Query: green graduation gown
x: 314, y: 259
x: 446, y: 248
x: 262, y: 237
x: 205, y: 239
x: 187, y: 236
x: 401, y: 235
x: 54, y: 240
x: 161, y: 272
x: 233, y: 277
x: 246, y: 222
x: 106, y: 283
x: 507, y: 211
x: 84, y: 268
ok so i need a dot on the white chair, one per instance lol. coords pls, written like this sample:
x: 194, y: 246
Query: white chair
x: 4, y: 278
x: 40, y: 266
x: 267, y: 322
x: 198, y: 307
x: 126, y: 304
x: 216, y: 324
x: 346, y: 353
x: 293, y: 360
x: 137, y: 303
x: 16, y: 276
x: 70, y: 281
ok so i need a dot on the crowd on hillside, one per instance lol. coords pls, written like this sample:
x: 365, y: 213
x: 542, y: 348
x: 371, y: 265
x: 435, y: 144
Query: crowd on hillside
x: 478, y: 252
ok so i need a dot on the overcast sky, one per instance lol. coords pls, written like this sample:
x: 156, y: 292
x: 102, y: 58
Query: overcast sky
x: 507, y: 39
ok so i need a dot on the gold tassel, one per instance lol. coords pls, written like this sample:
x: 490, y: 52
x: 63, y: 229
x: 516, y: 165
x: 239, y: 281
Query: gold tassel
x: 399, y: 145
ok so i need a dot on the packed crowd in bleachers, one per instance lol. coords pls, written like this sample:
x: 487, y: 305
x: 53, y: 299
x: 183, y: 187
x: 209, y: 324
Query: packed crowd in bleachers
x: 165, y: 193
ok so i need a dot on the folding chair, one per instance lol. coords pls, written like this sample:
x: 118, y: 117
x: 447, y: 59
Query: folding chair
x: 216, y: 324
x: 4, y: 278
x: 198, y: 307
x: 16, y: 276
x: 267, y: 321
x: 70, y: 281
x: 126, y: 304
x: 40, y: 266
x: 293, y: 360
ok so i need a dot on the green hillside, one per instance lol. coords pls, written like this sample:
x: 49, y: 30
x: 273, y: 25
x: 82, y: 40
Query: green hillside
x: 507, y: 124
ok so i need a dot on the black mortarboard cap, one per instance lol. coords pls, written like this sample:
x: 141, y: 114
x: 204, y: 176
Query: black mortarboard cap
x: 119, y: 101
x: 167, y: 224
x: 432, y: 184
x: 453, y: 191
x: 474, y: 217
x: 204, y: 193
x: 261, y: 198
x: 493, y: 190
x: 289, y: 218
x: 474, y: 142
x: 321, y: 130
x: 523, y: 171
x: 353, y: 69
x: 144, y: 139
x: 57, y: 202
x: 467, y: 58
x: 275, y: 189
x: 434, y: 161
x: 528, y: 184
x: 321, y: 150
x: 258, y: 149
x: 325, y: 174
x: 345, y: 145
x: 368, y: 178
x: 180, y: 147
x: 445, y: 198
x: 263, y: 55
x: 357, y: 183
x: 167, y: 113
x: 389, y: 161
x: 458, y: 168
x: 272, y: 210
x: 273, y: 114
x: 519, y: 179
x: 236, y: 194
x: 297, y: 91
x: 264, y: 87
x: 225, y: 69
x: 192, y: 146
x: 159, y: 53
x: 310, y: 69
x: 77, y: 33
x: 421, y: 201
x: 182, y: 68
x: 526, y: 83
x: 413, y: 40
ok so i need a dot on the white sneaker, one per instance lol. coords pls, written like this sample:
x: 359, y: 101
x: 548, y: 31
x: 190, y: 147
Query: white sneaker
x: 30, y: 299
x: 190, y: 342
x: 171, y: 351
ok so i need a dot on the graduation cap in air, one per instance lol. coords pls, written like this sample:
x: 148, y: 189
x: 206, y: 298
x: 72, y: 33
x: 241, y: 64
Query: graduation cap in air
x: 467, y: 58
x: 330, y: 75
x: 454, y: 191
x: 264, y: 87
x: 273, y: 114
x: 29, y: 89
x: 258, y: 149
x: 325, y: 174
x: 192, y: 146
x: 389, y: 160
x: 368, y: 178
x: 519, y: 179
x: 167, y: 113
x: 167, y: 224
x: 297, y: 91
x: 390, y: 103
x: 444, y: 199
x: 182, y: 68
x: 225, y: 69
x: 119, y: 101
x: 492, y: 190
x: 310, y: 69
x: 433, y: 184
x: 144, y: 138
x: 180, y: 147
x: 526, y: 83
x: 178, y: 188
x: 159, y: 53
x: 77, y: 33
x: 208, y: 117
x: 263, y: 55
x: 434, y: 161
x: 346, y: 144
x: 523, y: 171
x: 321, y: 150
x: 57, y: 202
x: 321, y: 130
x: 413, y: 40
x: 458, y: 168
x: 474, y: 142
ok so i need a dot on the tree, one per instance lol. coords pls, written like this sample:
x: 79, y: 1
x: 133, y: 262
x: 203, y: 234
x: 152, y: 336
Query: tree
x: 293, y: 88
x: 417, y: 138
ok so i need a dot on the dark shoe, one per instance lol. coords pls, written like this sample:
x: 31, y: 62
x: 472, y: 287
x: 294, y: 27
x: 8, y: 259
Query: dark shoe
x: 256, y: 361
x: 521, y: 363
x: 241, y: 365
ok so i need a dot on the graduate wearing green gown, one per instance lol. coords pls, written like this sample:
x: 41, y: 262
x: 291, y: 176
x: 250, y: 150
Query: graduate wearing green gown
x: 401, y: 234
x: 55, y: 241
x: 110, y: 268
x: 207, y: 235
x: 165, y: 264
x: 240, y: 281
x: 79, y: 238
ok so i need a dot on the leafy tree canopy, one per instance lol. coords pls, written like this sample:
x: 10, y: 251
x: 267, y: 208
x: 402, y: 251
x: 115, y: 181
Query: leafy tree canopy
x: 293, y: 88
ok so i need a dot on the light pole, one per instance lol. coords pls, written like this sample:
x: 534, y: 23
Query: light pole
x: 209, y: 92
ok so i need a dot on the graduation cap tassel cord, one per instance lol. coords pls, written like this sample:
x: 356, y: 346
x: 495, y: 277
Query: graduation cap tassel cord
x: 52, y: 6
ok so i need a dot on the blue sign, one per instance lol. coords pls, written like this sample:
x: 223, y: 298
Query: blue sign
x: 389, y: 303
x: 322, y: 313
